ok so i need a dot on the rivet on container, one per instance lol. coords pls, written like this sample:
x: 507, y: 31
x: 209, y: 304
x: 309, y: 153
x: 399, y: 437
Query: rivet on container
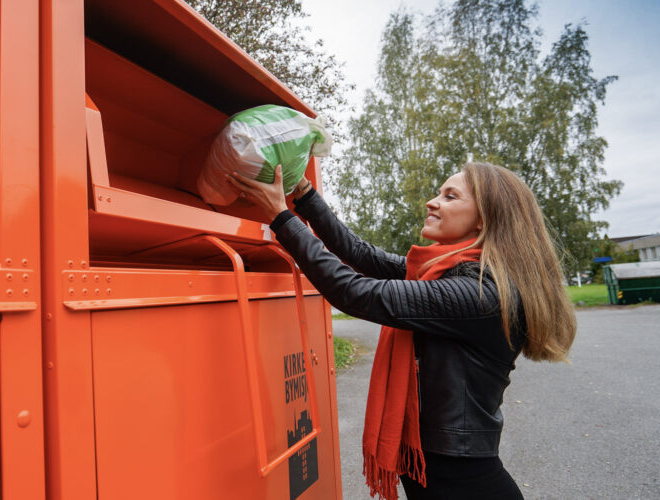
x: 71, y: 291
x: 26, y: 292
x: 49, y: 316
x: 329, y: 335
x: 84, y: 291
x: 108, y: 291
x: 8, y: 262
x: 83, y: 264
x: 24, y: 262
x: 332, y: 370
x: 97, y: 291
x: 9, y: 276
x: 25, y: 276
x: 9, y: 292
x: 70, y: 263
x: 108, y: 279
x: 96, y: 278
x: 108, y: 199
x: 24, y: 418
x: 71, y: 277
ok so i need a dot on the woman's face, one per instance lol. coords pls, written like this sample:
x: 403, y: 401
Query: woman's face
x: 452, y: 215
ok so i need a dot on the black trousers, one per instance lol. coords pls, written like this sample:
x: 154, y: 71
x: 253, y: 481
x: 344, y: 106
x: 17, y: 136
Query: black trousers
x: 462, y: 478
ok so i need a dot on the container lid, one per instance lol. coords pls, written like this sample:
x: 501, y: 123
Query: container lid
x: 636, y: 270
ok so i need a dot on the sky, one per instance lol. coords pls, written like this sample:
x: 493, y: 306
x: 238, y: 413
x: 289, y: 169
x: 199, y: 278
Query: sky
x: 624, y: 40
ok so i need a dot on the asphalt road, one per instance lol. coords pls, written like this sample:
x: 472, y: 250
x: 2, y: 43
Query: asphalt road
x: 589, y: 430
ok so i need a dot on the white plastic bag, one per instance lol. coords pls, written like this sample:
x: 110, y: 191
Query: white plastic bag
x: 253, y: 142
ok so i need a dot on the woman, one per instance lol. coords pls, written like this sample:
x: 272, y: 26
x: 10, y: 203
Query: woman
x: 456, y: 314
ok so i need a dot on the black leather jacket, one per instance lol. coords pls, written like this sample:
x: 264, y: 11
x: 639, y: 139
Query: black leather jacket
x: 464, y: 358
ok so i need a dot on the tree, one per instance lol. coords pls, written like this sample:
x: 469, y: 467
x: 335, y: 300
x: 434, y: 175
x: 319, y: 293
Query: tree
x: 472, y: 84
x: 608, y: 248
x: 372, y: 185
x: 271, y: 31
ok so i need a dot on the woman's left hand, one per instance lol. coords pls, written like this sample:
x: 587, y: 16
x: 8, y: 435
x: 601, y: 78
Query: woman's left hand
x: 269, y: 197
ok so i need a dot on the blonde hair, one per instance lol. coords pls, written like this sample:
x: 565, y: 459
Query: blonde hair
x: 521, y: 257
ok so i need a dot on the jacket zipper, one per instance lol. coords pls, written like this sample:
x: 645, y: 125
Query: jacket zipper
x: 419, y: 386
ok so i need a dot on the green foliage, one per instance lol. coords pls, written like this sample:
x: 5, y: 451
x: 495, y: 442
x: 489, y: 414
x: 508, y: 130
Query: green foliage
x: 588, y: 295
x: 609, y: 248
x: 344, y: 352
x: 470, y: 84
x: 273, y: 33
x: 341, y: 315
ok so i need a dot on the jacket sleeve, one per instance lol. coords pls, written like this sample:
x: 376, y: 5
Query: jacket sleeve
x: 439, y: 306
x: 357, y: 253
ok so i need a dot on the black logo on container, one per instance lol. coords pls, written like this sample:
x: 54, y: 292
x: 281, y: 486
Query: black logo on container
x: 303, y: 465
x: 295, y: 380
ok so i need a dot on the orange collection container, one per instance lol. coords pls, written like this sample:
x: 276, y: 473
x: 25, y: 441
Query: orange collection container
x: 150, y: 346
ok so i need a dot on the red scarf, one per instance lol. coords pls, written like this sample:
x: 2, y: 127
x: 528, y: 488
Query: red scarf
x: 391, y: 444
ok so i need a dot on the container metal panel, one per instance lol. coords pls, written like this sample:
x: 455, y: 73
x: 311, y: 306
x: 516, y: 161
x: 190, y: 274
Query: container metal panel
x: 172, y: 412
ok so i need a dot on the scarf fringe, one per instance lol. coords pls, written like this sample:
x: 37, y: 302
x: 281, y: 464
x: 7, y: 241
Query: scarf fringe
x: 380, y: 481
x: 384, y: 482
x: 411, y: 461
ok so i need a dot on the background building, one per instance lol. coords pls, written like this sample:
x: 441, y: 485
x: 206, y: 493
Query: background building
x: 647, y: 246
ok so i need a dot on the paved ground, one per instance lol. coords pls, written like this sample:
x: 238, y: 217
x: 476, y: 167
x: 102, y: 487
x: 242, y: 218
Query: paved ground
x: 590, y: 430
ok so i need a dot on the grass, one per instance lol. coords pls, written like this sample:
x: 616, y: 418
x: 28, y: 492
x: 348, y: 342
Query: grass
x: 342, y: 315
x: 588, y: 295
x: 344, y: 352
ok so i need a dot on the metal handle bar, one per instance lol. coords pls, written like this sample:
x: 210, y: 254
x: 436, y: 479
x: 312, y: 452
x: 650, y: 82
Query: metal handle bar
x: 302, y: 318
x: 265, y: 466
